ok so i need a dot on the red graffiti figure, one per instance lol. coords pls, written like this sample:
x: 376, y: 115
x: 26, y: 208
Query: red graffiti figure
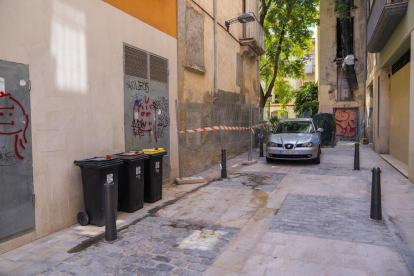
x: 346, y: 124
x: 10, y: 108
x: 144, y: 117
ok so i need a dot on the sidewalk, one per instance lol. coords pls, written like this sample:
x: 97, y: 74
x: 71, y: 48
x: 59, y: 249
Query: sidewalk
x: 282, y: 218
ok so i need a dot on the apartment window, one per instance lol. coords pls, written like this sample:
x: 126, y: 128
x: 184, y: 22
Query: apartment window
x: 344, y: 93
x: 339, y: 48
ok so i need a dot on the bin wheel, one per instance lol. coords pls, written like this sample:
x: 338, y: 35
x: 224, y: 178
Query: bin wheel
x: 83, y: 218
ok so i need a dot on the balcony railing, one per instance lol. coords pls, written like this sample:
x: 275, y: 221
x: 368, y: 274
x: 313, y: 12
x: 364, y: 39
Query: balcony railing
x: 382, y: 21
x: 253, y: 36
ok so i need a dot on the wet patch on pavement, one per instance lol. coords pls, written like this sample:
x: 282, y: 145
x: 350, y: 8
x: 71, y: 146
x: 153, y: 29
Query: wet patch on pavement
x: 260, y: 181
x: 328, y: 217
x: 154, y: 246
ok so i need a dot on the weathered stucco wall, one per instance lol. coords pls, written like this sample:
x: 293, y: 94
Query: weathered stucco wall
x: 74, y: 50
x: 237, y: 78
x: 326, y: 54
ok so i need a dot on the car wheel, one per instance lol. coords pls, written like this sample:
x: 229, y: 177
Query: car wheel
x: 317, y: 160
x: 268, y: 160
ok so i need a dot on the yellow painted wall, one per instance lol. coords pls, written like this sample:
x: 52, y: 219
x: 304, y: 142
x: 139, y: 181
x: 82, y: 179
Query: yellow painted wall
x: 400, y: 113
x: 160, y: 14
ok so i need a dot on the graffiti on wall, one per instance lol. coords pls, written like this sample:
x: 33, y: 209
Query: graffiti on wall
x: 10, y: 111
x: 149, y: 116
x: 7, y: 158
x: 346, y: 123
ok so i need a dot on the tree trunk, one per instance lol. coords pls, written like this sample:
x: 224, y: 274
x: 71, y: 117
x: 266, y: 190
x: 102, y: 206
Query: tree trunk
x: 275, y: 68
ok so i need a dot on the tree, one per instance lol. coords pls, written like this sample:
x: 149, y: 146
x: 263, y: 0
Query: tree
x: 288, y: 37
x: 307, y: 98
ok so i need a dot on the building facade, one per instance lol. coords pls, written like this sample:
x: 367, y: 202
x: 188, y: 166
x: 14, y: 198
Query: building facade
x: 216, y: 91
x: 74, y: 78
x: 390, y: 82
x: 341, y: 86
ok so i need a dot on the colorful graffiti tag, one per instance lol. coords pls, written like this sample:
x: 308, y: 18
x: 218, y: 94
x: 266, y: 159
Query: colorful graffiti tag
x: 10, y: 109
x: 149, y: 116
x: 346, y: 123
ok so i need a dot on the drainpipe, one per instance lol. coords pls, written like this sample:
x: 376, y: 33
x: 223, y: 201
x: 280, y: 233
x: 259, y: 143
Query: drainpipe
x: 215, y: 51
x: 365, y: 69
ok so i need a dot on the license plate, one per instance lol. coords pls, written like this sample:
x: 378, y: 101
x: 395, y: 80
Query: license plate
x: 289, y: 152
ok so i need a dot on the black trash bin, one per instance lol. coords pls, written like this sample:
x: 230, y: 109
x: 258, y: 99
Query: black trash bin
x: 95, y: 173
x: 153, y: 175
x: 131, y: 182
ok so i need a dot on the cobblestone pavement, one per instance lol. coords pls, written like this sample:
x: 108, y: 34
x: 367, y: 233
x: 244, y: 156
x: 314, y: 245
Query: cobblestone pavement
x: 281, y: 218
x: 154, y: 246
x: 331, y: 169
x: 262, y: 181
x: 330, y: 217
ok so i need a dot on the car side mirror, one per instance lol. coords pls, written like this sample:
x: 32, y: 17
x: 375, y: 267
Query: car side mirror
x: 320, y: 130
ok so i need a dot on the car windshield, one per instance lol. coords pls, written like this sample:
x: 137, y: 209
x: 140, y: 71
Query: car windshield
x: 295, y: 127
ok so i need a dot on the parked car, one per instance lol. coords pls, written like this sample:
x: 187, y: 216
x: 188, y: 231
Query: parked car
x: 295, y: 139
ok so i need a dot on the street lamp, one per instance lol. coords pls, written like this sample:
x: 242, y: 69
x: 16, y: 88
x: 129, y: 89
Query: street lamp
x: 244, y: 18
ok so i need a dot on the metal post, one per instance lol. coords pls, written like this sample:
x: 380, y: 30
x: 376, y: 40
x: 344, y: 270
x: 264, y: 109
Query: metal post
x: 250, y: 134
x: 110, y: 221
x: 356, y: 157
x: 333, y: 139
x: 223, y: 164
x: 261, y: 132
x: 376, y: 210
x: 178, y: 139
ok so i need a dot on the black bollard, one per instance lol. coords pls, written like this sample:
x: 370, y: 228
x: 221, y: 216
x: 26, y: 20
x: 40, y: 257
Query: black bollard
x: 110, y: 221
x: 261, y: 142
x: 223, y: 164
x: 333, y: 139
x: 356, y: 157
x: 376, y: 210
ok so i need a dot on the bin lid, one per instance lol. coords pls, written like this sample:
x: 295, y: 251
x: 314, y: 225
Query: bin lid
x: 153, y: 151
x: 99, y: 162
x: 132, y: 156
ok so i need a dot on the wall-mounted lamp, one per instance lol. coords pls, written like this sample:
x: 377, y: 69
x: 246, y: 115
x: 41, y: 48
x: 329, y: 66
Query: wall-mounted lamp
x: 244, y: 18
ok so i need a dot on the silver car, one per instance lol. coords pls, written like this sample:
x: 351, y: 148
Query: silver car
x: 295, y: 139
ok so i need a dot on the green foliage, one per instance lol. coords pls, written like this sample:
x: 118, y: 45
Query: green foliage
x: 288, y: 37
x: 341, y: 9
x: 274, y: 120
x: 284, y: 94
x: 307, y: 98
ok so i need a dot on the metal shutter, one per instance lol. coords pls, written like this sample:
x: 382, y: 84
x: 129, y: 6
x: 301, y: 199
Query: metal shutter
x: 136, y: 63
x: 158, y: 69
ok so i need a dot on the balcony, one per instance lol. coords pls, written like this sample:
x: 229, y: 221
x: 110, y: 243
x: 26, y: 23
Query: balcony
x: 253, y: 36
x: 382, y: 21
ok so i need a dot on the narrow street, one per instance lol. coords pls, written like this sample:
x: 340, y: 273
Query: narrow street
x: 281, y: 218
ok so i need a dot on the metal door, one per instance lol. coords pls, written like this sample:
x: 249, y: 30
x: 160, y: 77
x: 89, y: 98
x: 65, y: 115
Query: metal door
x: 17, y: 215
x: 346, y: 123
x: 146, y: 101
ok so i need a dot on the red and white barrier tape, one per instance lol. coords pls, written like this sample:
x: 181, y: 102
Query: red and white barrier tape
x: 220, y: 128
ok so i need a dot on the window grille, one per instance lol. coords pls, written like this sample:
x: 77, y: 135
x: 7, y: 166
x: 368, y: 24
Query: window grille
x: 158, y: 69
x: 136, y: 63
x: 404, y: 60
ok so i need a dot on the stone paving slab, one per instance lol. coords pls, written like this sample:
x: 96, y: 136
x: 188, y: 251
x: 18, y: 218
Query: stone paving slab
x: 260, y: 181
x: 330, y: 217
x: 340, y: 150
x: 154, y: 246
x: 331, y: 169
